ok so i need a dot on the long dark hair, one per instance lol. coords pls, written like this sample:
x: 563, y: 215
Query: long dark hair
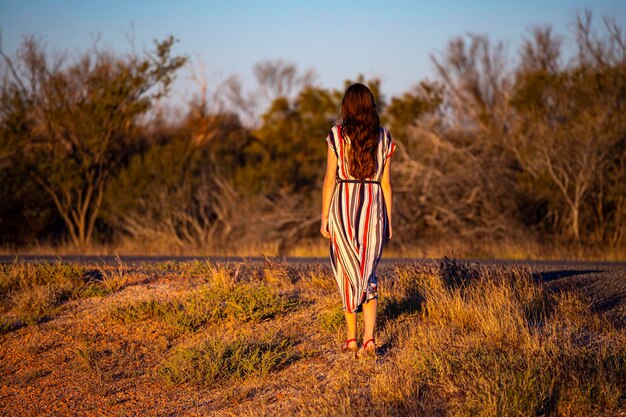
x: 362, y: 124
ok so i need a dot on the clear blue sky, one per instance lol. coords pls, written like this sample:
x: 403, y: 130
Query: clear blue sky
x: 392, y: 40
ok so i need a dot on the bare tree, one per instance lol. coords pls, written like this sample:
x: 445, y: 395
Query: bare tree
x: 452, y: 162
x: 570, y: 131
x: 599, y: 51
x: 274, y: 80
x: 478, y: 82
x: 280, y: 79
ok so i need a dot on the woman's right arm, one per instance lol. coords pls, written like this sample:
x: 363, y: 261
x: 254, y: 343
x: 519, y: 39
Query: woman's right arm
x: 328, y: 190
x: 385, y: 183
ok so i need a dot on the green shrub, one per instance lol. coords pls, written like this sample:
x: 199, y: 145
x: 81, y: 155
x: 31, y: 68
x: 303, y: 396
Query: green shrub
x: 249, y: 302
x: 216, y: 359
x: 139, y: 311
x: 244, y: 302
x: 199, y: 308
x: 332, y: 320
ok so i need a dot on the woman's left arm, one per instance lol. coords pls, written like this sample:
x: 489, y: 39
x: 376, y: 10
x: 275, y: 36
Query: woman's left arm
x: 328, y: 190
x: 388, y: 192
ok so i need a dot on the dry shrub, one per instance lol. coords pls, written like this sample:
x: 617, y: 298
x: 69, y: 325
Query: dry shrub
x: 319, y: 282
x: 313, y: 281
x: 277, y: 274
x: 257, y: 302
x: 224, y: 275
x: 401, y: 295
x: 86, y: 357
x: 214, y: 274
x: 33, y: 291
x: 139, y: 311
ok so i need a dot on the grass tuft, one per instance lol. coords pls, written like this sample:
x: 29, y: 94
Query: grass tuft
x: 37, y: 304
x: 34, y: 291
x: 139, y: 311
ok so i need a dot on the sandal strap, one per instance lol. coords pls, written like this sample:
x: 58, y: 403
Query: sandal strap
x: 368, y: 342
x: 347, y: 344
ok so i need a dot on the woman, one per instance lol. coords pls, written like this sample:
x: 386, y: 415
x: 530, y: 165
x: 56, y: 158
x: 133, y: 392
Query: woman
x: 356, y: 209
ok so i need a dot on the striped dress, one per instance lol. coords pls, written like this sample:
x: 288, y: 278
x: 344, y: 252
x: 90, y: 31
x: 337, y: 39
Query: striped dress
x: 358, y: 224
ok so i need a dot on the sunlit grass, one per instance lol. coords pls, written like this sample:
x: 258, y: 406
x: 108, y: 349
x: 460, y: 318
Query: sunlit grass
x: 496, y: 343
x: 33, y: 292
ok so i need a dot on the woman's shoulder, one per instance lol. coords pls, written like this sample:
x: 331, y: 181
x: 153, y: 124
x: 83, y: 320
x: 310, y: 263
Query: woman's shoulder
x: 384, y: 133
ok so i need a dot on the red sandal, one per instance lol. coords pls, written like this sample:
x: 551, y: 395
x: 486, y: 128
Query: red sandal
x: 368, y: 349
x: 347, y: 348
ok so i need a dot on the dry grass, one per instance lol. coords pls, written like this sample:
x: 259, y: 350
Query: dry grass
x: 200, y: 338
x: 513, y: 248
x: 489, y: 343
x: 34, y: 291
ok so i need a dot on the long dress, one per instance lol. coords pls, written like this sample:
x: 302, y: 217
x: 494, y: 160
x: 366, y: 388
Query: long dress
x: 358, y: 224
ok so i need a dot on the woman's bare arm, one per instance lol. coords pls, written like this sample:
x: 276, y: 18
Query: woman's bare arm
x: 328, y: 189
x: 387, y: 191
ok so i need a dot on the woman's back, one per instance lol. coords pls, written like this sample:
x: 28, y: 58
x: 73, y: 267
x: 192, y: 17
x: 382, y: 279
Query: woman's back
x: 341, y: 145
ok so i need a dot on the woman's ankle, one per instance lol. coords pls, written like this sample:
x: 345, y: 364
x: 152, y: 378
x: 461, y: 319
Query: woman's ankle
x: 366, y: 339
